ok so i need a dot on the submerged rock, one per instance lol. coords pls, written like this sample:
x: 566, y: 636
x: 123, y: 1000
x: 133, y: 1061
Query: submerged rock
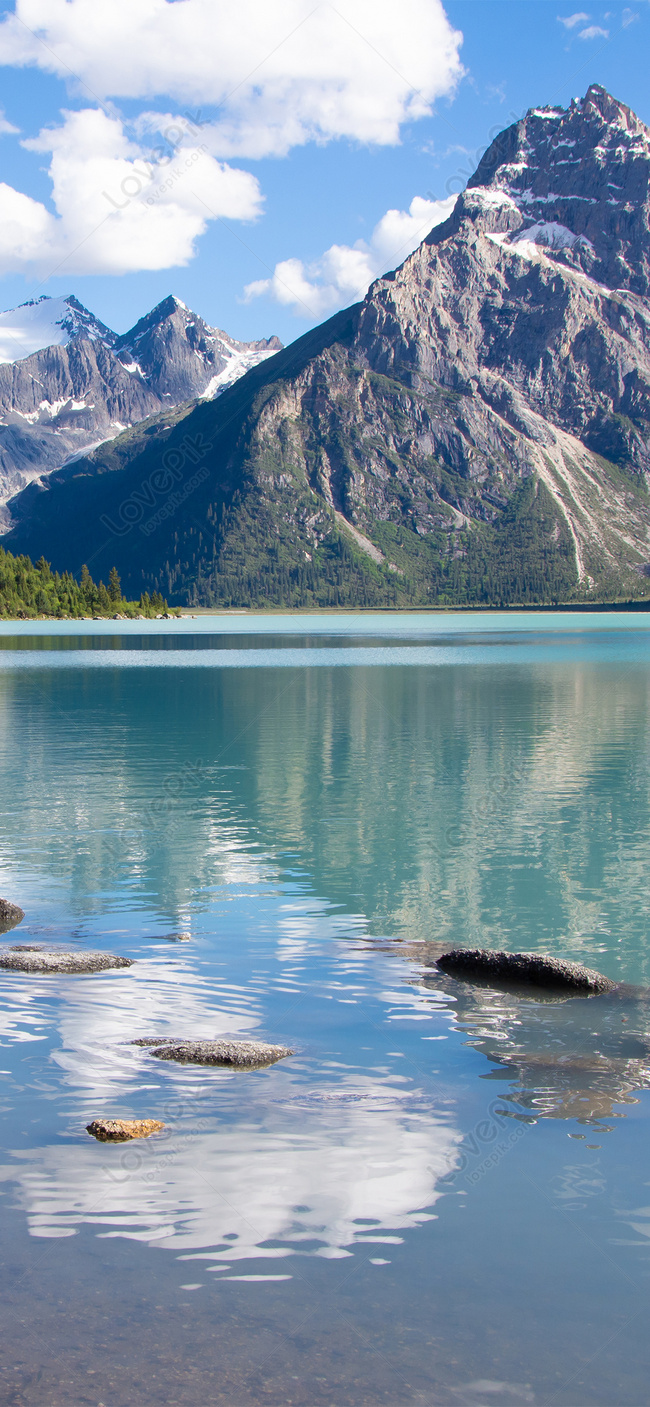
x: 556, y: 1054
x: 10, y: 915
x: 28, y: 959
x: 243, y: 1055
x: 120, y: 1130
x: 530, y: 968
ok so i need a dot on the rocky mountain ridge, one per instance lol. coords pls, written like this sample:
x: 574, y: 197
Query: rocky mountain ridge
x: 78, y: 384
x: 477, y: 429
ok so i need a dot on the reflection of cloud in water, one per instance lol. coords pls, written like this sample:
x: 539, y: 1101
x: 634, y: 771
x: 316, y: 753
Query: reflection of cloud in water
x: 297, y: 1164
x: 96, y: 1015
x: 330, y: 1170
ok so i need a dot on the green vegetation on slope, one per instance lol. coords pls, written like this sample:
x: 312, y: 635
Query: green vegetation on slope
x: 526, y: 557
x: 28, y: 592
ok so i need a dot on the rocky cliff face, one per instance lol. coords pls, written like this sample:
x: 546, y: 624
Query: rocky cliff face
x: 520, y: 334
x: 86, y: 385
x: 476, y: 430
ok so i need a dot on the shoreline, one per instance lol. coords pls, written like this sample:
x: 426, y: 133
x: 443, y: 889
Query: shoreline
x: 202, y: 612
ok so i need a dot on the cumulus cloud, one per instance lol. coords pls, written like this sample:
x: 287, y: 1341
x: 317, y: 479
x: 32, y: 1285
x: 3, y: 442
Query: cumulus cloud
x: 570, y: 21
x: 280, y: 74
x: 593, y: 31
x: 344, y: 272
x: 6, y: 128
x: 118, y: 206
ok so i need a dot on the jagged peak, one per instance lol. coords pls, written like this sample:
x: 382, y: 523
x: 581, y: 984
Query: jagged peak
x: 610, y: 109
x: 585, y: 168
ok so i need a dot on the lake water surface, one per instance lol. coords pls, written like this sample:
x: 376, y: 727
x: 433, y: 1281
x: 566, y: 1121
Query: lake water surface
x: 443, y: 1197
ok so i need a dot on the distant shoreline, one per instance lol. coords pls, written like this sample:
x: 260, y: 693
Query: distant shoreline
x: 582, y: 606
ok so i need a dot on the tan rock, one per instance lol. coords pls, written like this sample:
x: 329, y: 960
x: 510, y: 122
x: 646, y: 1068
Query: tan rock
x: 120, y: 1130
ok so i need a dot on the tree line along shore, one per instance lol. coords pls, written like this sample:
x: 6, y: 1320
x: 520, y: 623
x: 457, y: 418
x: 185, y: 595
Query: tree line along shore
x: 31, y: 591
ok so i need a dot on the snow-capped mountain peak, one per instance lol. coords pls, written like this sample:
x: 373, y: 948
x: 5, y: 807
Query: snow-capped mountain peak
x: 48, y: 322
x: 180, y: 356
x: 575, y: 182
x: 68, y: 383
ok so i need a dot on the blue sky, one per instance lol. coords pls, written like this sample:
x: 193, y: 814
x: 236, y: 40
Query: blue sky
x: 208, y: 149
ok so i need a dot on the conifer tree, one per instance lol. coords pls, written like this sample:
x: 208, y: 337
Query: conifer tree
x: 114, y: 585
x: 105, y: 602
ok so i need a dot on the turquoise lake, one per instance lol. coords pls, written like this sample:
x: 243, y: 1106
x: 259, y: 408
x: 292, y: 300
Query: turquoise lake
x: 443, y: 1197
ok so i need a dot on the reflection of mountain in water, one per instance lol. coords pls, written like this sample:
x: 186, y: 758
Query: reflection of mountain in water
x: 489, y: 806
x: 557, y: 1057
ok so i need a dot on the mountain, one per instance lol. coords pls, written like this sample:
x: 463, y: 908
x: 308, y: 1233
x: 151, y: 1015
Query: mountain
x: 48, y: 322
x: 180, y: 357
x: 67, y: 383
x: 476, y: 430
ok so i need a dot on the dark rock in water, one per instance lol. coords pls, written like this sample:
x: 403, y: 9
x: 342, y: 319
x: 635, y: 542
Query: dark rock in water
x: 26, y: 948
x: 36, y: 960
x: 120, y: 1130
x: 535, y: 968
x: 555, y: 1055
x: 10, y: 915
x: 243, y: 1055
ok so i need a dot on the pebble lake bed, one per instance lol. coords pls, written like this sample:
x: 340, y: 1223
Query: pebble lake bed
x: 259, y: 1143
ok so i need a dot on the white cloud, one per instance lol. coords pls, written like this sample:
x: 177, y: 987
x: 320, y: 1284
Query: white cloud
x: 118, y: 209
x: 594, y: 31
x: 281, y: 74
x: 570, y: 21
x: 6, y: 128
x: 344, y: 273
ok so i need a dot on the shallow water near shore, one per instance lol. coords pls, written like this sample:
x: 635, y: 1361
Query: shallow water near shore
x: 442, y: 1197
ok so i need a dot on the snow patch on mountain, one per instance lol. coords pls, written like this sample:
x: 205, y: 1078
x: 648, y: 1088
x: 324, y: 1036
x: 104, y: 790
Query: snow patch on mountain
x: 488, y: 197
x: 47, y: 322
x: 551, y: 235
x: 237, y: 365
